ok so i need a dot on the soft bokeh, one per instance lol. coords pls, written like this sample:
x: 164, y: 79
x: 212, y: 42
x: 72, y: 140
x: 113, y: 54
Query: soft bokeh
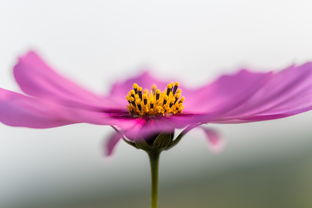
x: 265, y: 164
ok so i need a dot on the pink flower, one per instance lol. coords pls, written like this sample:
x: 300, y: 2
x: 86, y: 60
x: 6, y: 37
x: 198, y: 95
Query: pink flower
x: 51, y: 100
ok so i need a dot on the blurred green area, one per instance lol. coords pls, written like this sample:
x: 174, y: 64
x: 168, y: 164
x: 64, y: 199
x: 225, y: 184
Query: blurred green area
x: 281, y: 182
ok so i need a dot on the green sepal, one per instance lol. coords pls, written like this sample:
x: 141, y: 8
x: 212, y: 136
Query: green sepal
x: 160, y: 142
x: 142, y: 144
x: 163, y: 141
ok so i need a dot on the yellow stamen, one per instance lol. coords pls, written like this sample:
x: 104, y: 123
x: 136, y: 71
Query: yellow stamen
x: 155, y: 102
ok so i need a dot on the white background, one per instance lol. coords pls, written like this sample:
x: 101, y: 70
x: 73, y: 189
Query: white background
x: 97, y: 42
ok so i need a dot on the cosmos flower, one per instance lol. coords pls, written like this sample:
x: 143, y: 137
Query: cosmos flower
x: 144, y: 106
x: 145, y: 111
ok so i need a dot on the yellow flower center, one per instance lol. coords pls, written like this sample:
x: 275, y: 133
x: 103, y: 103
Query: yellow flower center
x: 155, y: 102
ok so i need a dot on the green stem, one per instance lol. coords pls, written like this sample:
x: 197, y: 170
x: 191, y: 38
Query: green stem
x: 154, y: 162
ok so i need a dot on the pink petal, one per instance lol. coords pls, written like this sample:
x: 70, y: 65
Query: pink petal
x: 226, y: 93
x: 20, y: 110
x: 143, y: 128
x: 38, y: 79
x: 214, y: 139
x: 286, y: 93
x: 111, y: 143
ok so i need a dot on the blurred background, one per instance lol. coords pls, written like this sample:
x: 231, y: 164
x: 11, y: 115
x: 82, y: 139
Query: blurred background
x: 264, y: 164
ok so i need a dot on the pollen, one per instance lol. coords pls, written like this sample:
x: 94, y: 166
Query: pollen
x: 155, y: 102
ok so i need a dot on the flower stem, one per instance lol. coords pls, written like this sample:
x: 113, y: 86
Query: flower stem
x: 154, y: 163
